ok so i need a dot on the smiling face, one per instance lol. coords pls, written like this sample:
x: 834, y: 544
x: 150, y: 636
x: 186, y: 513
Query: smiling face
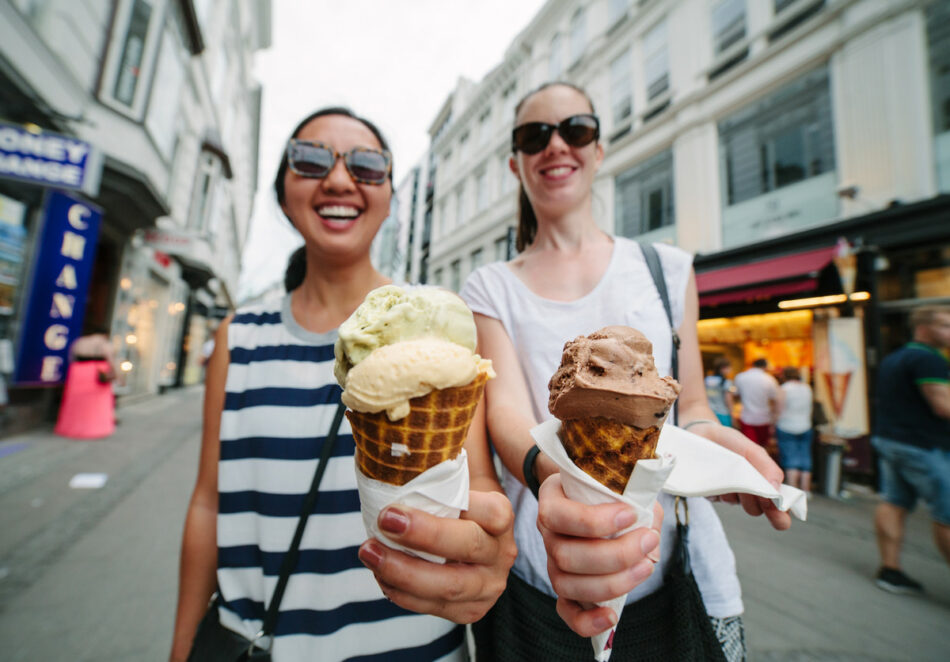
x: 559, y: 178
x: 336, y: 216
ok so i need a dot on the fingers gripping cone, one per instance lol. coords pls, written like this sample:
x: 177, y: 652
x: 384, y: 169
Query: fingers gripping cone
x: 395, y: 452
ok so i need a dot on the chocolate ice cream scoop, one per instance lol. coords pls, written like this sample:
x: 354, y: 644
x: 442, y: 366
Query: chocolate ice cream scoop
x: 611, y: 374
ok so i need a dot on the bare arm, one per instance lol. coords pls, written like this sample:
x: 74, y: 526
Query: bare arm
x: 937, y: 395
x: 694, y: 406
x: 199, y: 547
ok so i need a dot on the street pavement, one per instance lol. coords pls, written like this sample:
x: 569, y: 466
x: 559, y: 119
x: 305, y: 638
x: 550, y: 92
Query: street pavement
x: 91, y: 574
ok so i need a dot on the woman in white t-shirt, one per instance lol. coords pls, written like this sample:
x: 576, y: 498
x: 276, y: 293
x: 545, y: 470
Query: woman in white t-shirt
x: 572, y: 278
x: 793, y: 430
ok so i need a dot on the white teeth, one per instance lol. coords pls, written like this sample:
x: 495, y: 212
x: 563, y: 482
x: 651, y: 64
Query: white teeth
x: 338, y: 211
x: 557, y: 172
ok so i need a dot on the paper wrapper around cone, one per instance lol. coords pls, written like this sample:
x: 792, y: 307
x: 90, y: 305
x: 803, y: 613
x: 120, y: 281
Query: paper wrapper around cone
x: 434, y: 431
x: 606, y: 449
x: 641, y: 491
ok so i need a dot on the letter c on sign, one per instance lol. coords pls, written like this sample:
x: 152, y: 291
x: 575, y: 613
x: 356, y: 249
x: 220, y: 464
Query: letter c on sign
x: 76, y: 214
x: 56, y: 337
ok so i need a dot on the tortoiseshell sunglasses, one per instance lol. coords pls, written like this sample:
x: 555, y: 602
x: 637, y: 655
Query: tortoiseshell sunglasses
x: 313, y: 159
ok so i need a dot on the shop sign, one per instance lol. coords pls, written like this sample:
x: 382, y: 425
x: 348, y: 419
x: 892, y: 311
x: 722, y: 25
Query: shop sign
x: 170, y: 241
x: 49, y: 159
x: 57, y: 303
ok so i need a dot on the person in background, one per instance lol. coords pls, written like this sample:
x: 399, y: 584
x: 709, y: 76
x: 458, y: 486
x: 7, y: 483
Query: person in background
x: 793, y: 429
x: 572, y: 278
x: 720, y: 391
x: 87, y: 410
x: 912, y: 438
x: 269, y: 402
x: 761, y: 400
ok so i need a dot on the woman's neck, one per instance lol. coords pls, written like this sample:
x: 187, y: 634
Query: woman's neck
x: 569, y: 232
x: 331, y: 292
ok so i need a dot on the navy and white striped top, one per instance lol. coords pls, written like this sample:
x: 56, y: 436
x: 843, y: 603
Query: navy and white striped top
x: 280, y: 401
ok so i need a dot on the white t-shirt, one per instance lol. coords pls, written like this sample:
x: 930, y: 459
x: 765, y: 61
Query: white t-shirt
x: 796, y: 412
x: 538, y: 329
x: 756, y: 388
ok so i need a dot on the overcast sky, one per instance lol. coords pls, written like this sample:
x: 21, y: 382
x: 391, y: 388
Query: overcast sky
x: 393, y: 61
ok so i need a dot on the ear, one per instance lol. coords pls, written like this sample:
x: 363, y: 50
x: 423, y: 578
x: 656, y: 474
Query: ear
x: 599, y: 151
x: 513, y: 166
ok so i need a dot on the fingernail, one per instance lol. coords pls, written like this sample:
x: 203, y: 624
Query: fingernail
x: 642, y: 570
x: 370, y: 555
x: 625, y: 518
x: 394, y: 521
x: 604, y: 622
x: 649, y: 542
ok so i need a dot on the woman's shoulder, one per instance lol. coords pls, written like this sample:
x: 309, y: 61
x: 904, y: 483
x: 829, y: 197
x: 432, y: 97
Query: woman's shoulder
x: 260, y: 312
x: 668, y: 253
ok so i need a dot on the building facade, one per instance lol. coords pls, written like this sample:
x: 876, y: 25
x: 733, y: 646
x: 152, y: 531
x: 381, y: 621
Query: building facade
x: 798, y: 147
x: 161, y: 94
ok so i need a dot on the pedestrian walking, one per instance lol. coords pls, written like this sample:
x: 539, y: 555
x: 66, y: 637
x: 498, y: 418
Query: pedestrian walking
x: 912, y: 439
x: 721, y: 391
x: 271, y: 399
x: 87, y: 410
x: 761, y: 399
x: 794, y: 431
x: 570, y: 279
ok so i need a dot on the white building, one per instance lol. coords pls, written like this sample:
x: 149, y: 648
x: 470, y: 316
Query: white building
x: 163, y: 91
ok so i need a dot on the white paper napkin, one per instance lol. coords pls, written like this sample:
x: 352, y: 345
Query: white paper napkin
x: 704, y: 468
x: 441, y: 491
x: 641, y: 492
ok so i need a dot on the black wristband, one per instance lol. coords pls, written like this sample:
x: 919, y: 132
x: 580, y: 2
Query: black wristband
x: 528, y: 469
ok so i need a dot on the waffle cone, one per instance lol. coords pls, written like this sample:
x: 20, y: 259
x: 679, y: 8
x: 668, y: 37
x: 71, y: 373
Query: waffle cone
x: 608, y: 450
x: 433, y: 431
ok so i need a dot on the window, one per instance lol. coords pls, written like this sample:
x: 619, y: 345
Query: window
x: 656, y: 63
x: 206, y: 177
x: 164, y: 105
x: 437, y: 277
x: 938, y: 41
x: 728, y: 24
x: 455, y: 275
x: 477, y: 258
x: 508, y: 102
x: 460, y: 206
x: 621, y: 88
x: 555, y: 63
x: 644, y: 196
x: 484, y: 127
x: 616, y: 10
x: 507, y: 180
x: 463, y: 149
x: 578, y: 35
x: 779, y: 5
x: 443, y: 218
x: 501, y: 249
x: 784, y: 138
x: 447, y: 157
x: 481, y: 190
x: 131, y: 54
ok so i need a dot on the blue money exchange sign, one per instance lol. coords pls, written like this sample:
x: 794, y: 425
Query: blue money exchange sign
x: 60, y: 285
x: 49, y: 159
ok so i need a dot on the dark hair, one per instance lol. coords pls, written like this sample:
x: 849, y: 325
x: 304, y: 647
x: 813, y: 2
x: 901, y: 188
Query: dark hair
x: 721, y: 362
x: 760, y: 363
x: 527, y: 221
x: 297, y: 265
x: 791, y: 372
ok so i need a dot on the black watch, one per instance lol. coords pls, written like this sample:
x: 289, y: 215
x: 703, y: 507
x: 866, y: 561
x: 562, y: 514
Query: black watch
x: 530, y: 479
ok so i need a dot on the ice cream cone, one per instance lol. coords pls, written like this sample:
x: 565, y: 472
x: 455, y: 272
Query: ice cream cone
x: 395, y: 452
x: 607, y: 450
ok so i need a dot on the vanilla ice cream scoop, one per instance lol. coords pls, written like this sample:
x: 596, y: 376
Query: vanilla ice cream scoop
x: 391, y: 314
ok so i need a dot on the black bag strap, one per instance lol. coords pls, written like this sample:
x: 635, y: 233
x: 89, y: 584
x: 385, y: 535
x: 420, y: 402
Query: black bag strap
x: 290, y: 558
x: 656, y: 271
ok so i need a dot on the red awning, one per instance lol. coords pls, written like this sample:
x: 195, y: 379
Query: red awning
x: 757, y: 280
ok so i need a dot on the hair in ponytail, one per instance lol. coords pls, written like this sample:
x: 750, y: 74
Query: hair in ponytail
x: 296, y: 269
x: 527, y: 220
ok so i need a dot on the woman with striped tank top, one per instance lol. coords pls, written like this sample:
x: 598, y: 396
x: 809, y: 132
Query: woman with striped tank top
x: 270, y: 398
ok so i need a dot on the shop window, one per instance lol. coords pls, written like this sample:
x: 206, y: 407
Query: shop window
x: 783, y: 139
x: 644, y: 197
x: 728, y: 24
x: 938, y: 41
x: 578, y: 35
x: 621, y: 88
x: 455, y: 275
x: 14, y: 232
x: 555, y: 59
x: 130, y: 55
x: 656, y: 61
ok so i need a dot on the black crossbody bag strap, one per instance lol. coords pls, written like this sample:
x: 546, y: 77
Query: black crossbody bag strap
x: 656, y: 271
x: 290, y: 558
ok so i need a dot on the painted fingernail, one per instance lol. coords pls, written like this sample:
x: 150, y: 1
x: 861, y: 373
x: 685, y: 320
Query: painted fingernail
x: 604, y: 622
x: 394, y: 521
x: 370, y: 555
x: 642, y: 570
x: 625, y: 518
x: 649, y: 542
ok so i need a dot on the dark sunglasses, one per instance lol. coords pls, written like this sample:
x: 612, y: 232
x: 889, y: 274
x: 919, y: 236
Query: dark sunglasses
x: 577, y: 131
x: 365, y: 165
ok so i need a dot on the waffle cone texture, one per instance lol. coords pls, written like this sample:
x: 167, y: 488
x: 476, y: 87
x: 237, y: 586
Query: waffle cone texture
x: 606, y: 449
x: 434, y: 431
